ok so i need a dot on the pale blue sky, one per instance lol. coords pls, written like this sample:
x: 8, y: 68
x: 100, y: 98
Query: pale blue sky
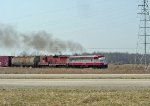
x: 92, y: 23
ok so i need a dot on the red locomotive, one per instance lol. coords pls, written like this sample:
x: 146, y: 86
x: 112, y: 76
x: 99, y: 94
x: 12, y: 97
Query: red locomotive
x: 53, y: 61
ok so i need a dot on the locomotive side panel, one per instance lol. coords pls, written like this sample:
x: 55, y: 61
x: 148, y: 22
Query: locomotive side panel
x: 57, y: 60
x: 43, y: 61
x: 63, y: 60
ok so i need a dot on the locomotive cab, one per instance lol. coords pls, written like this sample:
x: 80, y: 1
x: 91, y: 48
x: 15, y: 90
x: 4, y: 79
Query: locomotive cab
x: 103, y: 60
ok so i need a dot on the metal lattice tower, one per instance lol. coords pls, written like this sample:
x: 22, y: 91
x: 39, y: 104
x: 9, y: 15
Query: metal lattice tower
x: 144, y: 33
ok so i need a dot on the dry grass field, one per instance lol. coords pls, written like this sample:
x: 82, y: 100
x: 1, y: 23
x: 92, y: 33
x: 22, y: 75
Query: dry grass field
x: 59, y: 97
x: 113, y: 69
x: 49, y: 97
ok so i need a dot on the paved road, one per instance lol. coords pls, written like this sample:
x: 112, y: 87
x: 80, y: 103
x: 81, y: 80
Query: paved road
x: 74, y: 76
x: 75, y: 83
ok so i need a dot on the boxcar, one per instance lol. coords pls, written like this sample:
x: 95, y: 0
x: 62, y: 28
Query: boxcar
x: 95, y: 61
x: 29, y: 61
x: 5, y: 61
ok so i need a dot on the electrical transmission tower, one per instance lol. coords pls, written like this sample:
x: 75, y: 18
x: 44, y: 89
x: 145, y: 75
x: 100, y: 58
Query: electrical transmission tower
x: 144, y: 34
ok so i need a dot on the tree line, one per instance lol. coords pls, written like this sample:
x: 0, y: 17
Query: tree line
x: 122, y: 58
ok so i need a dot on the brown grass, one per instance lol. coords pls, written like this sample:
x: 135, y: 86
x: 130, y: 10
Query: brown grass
x: 113, y: 69
x: 47, y: 97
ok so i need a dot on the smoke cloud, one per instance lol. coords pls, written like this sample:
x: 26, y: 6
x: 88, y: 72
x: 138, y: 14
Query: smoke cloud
x: 8, y: 36
x: 39, y: 41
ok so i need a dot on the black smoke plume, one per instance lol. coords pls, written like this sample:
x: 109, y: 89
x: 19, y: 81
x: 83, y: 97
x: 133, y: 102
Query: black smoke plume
x: 40, y: 41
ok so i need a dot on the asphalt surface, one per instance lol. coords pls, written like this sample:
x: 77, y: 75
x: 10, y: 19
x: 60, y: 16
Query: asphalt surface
x: 74, y: 76
x: 76, y: 83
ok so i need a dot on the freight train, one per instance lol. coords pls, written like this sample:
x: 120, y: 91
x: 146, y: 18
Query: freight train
x: 94, y: 61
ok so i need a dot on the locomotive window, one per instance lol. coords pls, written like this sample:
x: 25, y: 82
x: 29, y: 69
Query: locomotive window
x: 70, y: 59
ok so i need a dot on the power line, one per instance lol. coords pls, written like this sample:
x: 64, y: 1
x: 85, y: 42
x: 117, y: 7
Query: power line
x: 143, y: 32
x: 114, y: 48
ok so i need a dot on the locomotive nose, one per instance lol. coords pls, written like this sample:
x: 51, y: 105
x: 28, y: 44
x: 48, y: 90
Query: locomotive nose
x: 103, y: 60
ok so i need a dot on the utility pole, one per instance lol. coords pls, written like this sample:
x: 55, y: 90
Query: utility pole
x: 143, y: 31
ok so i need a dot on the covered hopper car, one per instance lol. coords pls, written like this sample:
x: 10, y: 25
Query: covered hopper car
x: 25, y: 61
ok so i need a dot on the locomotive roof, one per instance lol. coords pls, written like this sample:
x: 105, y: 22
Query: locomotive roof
x: 87, y: 56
